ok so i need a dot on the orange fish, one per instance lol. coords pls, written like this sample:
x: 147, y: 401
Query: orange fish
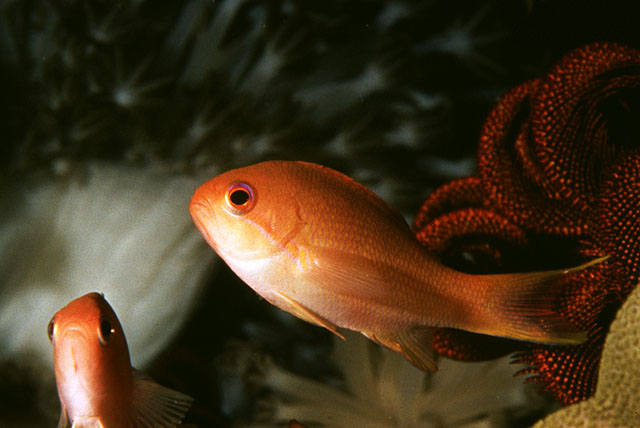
x: 321, y: 246
x: 97, y: 386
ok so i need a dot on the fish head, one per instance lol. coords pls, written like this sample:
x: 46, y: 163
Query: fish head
x: 253, y: 217
x: 304, y: 237
x: 90, y: 353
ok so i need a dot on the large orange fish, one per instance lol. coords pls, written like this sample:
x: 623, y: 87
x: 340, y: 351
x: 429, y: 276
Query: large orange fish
x: 97, y: 386
x: 321, y: 246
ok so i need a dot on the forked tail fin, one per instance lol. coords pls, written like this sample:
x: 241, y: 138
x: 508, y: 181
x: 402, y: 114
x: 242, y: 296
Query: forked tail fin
x: 523, y: 306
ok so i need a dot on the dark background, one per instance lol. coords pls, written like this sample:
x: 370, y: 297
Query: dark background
x: 442, y: 66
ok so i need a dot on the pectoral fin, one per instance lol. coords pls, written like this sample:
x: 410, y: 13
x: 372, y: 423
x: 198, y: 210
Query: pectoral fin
x: 308, y: 315
x: 349, y: 274
x: 63, y: 422
x: 155, y: 405
x: 415, y: 344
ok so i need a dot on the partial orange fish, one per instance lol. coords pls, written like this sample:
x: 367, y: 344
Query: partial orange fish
x: 321, y: 246
x: 97, y: 386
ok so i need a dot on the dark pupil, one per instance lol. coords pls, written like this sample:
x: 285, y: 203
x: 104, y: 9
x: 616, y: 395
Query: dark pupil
x: 106, y: 329
x: 50, y: 329
x: 239, y: 197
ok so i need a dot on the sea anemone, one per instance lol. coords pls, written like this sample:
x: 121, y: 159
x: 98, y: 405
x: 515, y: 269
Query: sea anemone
x: 376, y: 387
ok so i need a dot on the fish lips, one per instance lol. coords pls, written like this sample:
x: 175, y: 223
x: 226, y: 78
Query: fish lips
x: 203, y: 214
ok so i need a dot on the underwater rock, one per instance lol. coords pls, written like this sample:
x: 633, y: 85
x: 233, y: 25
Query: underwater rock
x: 616, y: 401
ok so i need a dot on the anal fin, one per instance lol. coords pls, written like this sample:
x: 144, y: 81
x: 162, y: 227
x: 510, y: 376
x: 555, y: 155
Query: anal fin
x: 308, y: 315
x: 415, y: 344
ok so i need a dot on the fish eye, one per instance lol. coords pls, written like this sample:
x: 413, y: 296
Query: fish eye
x: 105, y: 331
x: 50, y: 328
x: 240, y: 198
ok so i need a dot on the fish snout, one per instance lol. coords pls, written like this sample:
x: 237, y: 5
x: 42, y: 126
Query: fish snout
x: 75, y: 332
x: 204, y: 217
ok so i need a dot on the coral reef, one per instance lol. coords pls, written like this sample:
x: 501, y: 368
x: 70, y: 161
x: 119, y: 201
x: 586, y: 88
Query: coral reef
x: 615, y: 402
x: 557, y: 182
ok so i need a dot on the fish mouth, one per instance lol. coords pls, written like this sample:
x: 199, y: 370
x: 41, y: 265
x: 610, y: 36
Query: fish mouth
x: 202, y: 214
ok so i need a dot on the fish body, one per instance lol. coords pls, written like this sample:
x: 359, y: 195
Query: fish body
x: 96, y: 384
x: 321, y: 246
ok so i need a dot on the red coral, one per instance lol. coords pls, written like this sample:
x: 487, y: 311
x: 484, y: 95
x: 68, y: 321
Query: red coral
x: 558, y: 183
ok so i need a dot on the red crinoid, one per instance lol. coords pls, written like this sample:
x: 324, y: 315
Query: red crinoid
x: 558, y: 183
